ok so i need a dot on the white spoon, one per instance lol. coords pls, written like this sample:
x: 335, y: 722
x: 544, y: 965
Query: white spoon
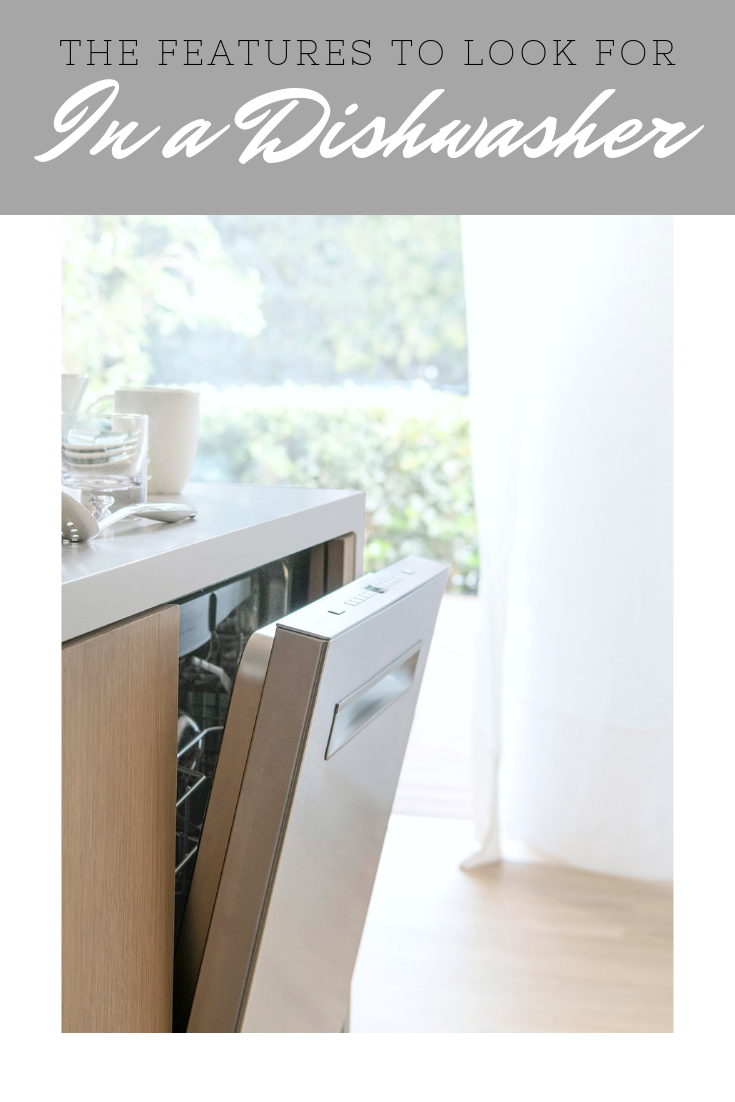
x: 78, y: 524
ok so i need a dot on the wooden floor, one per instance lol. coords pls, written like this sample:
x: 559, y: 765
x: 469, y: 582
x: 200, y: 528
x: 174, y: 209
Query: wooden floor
x: 529, y: 946
x: 515, y: 948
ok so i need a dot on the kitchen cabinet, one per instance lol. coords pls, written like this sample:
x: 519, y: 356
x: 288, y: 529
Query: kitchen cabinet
x: 118, y: 791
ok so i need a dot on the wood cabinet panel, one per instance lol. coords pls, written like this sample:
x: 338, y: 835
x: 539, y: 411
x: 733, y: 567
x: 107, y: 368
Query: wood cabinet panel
x: 118, y: 835
x: 340, y: 564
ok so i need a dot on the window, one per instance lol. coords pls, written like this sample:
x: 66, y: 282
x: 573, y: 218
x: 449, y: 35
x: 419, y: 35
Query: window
x: 329, y: 350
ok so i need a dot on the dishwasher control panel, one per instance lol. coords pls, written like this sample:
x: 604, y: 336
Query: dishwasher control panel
x: 346, y: 606
x: 379, y: 583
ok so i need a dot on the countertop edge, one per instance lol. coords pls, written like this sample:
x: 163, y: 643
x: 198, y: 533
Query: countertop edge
x: 98, y: 600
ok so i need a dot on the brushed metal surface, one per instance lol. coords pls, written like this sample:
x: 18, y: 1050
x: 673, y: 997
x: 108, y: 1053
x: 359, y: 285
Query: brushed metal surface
x: 307, y: 833
x: 257, y: 832
x: 336, y: 826
x: 366, y: 703
x: 236, y: 741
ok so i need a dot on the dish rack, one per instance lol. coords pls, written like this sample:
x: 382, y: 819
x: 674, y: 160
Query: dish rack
x: 205, y: 687
x: 215, y: 627
x: 196, y: 762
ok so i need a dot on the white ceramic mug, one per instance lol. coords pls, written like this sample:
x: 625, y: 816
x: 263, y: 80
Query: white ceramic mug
x: 173, y: 431
x: 72, y: 391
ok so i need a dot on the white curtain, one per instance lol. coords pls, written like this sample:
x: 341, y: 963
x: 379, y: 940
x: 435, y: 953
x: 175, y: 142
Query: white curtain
x: 570, y: 355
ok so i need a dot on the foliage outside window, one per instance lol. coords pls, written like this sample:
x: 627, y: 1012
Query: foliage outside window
x: 330, y: 350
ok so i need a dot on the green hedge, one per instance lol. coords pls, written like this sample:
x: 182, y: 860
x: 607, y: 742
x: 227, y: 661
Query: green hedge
x: 407, y: 448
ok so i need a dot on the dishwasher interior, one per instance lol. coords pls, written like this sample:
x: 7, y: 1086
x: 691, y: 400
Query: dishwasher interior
x: 215, y: 625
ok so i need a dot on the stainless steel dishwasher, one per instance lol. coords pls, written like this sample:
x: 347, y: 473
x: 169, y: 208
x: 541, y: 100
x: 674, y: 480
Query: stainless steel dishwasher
x: 303, y: 765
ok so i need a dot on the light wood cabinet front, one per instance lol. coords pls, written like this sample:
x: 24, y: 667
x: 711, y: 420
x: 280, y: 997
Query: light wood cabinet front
x: 118, y: 825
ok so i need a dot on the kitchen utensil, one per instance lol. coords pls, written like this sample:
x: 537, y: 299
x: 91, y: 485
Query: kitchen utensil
x: 78, y: 524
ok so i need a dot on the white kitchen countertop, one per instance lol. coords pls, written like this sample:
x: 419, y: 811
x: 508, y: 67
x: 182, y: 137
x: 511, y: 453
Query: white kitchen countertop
x: 139, y: 564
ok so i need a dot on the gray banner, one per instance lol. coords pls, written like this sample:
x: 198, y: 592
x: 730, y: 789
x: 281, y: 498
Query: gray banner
x: 503, y: 71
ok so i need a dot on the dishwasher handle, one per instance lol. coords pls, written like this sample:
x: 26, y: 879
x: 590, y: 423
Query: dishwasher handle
x: 362, y: 706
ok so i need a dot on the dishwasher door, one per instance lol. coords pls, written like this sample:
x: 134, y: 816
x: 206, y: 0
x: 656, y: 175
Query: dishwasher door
x: 315, y: 737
